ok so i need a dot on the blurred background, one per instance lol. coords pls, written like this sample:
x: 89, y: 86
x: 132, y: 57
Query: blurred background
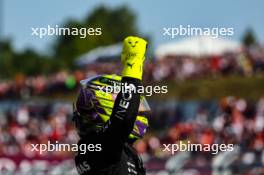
x: 215, y: 85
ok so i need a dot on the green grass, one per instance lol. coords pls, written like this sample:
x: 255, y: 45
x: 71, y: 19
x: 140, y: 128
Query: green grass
x: 214, y: 88
x: 250, y: 88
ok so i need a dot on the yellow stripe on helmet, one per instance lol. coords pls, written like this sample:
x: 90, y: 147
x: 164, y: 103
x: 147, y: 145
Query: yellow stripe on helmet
x: 142, y: 119
x: 106, y: 103
x: 104, y: 95
x: 105, y: 118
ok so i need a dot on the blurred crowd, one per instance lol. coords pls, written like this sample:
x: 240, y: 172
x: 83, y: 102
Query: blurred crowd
x: 246, y: 63
x: 23, y: 124
x: 234, y: 121
x: 228, y: 121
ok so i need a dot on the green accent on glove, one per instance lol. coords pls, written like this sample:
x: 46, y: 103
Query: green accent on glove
x: 133, y: 56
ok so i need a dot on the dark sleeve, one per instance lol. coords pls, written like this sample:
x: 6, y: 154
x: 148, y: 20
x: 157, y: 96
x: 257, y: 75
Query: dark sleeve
x: 124, y: 113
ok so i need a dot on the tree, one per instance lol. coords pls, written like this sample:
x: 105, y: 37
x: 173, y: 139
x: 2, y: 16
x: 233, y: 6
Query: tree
x: 249, y: 38
x: 27, y: 62
x: 115, y: 25
x: 6, y: 59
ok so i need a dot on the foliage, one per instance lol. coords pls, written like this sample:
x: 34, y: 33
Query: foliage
x: 215, y: 88
x: 249, y: 38
x: 115, y: 24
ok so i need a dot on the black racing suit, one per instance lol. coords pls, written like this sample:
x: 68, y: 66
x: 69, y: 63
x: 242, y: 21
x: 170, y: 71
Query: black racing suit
x: 117, y: 157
